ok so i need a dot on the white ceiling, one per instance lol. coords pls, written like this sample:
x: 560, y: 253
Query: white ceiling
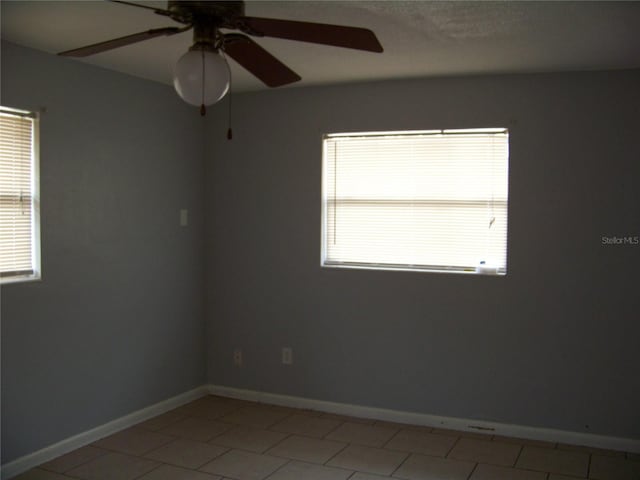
x: 420, y: 38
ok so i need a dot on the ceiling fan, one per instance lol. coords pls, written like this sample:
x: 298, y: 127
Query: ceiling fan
x: 201, y: 76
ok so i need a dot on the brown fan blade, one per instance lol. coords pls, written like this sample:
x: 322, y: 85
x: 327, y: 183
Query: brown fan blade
x: 121, y: 42
x: 258, y: 61
x: 336, y: 35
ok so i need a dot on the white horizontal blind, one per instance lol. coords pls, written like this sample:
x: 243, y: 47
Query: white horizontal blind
x: 416, y: 200
x: 17, y: 194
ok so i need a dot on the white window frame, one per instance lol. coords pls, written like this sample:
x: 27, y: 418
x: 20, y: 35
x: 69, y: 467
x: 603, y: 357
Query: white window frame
x: 34, y: 272
x: 485, y: 264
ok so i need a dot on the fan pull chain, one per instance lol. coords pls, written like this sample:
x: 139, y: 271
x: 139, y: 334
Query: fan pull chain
x: 229, y: 130
x: 203, y: 109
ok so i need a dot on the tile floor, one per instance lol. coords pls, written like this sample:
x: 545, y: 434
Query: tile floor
x: 216, y: 438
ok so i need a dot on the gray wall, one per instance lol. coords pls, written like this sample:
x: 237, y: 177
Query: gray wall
x: 552, y: 344
x: 116, y: 323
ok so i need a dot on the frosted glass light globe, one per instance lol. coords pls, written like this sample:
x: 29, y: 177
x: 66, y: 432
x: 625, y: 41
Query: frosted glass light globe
x: 188, y: 76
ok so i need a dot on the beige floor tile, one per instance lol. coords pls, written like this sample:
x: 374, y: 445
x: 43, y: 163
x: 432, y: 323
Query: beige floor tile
x: 170, y: 472
x: 307, y: 471
x: 485, y: 451
x: 524, y: 441
x: 216, y: 400
x: 186, y: 453
x: 161, y: 421
x: 422, y: 467
x: 367, y: 435
x: 347, y: 418
x: 598, y: 451
x: 368, y: 476
x: 555, y: 476
x: 184, y: 411
x: 113, y: 466
x: 613, y: 468
x: 494, y: 472
x: 418, y: 441
x: 199, y: 429
x: 368, y: 460
x: 193, y: 443
x: 38, y: 474
x: 257, y: 417
x: 308, y: 412
x: 244, y: 465
x: 73, y: 459
x: 237, y: 402
x: 133, y: 441
x: 291, y: 410
x: 307, y: 449
x: 403, y: 426
x: 209, y: 407
x: 554, y: 461
x: 306, y: 425
x: 249, y: 438
x: 461, y: 433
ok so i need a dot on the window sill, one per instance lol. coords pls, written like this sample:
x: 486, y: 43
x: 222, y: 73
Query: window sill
x: 20, y: 279
x: 465, y: 271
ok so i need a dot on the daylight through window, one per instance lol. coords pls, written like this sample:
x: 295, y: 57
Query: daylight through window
x: 19, y: 203
x: 417, y: 200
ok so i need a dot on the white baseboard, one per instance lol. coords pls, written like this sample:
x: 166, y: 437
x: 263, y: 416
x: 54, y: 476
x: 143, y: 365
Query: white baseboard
x: 34, y: 459
x: 461, y: 424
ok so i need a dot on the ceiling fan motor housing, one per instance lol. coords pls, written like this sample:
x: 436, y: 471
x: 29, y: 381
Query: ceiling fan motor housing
x: 206, y: 17
x: 222, y: 14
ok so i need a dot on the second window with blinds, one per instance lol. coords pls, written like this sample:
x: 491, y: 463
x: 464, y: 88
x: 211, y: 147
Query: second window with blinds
x: 19, y: 196
x: 416, y: 200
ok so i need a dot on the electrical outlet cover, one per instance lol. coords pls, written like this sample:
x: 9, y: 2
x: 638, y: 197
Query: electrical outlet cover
x: 237, y: 357
x: 287, y: 356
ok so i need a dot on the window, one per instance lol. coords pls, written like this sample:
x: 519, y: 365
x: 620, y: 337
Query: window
x: 19, y: 202
x: 417, y: 200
